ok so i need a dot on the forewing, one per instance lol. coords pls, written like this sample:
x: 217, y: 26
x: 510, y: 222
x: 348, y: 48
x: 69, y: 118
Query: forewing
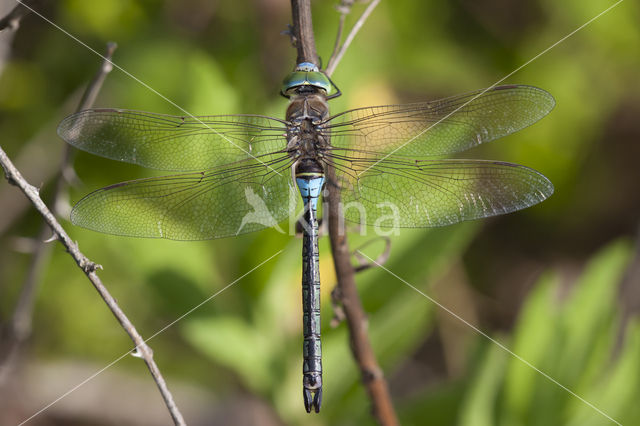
x: 173, y: 143
x: 192, y: 206
x: 439, y: 127
x: 394, y: 193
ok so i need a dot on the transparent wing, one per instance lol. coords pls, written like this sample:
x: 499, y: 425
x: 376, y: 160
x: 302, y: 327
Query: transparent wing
x: 394, y: 193
x: 173, y: 143
x: 193, y: 206
x: 439, y: 127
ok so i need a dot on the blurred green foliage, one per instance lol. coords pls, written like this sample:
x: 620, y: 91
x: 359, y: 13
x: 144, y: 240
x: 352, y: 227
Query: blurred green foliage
x: 514, y: 277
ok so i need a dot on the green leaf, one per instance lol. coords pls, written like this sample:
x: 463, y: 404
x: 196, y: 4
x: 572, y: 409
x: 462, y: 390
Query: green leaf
x: 478, y: 407
x: 591, y: 308
x: 534, y: 338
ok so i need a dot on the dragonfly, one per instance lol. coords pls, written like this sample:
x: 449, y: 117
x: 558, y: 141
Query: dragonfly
x: 233, y: 174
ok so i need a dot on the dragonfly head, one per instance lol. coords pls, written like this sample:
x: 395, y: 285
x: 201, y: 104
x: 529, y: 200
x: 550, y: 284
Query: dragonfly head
x: 307, y: 78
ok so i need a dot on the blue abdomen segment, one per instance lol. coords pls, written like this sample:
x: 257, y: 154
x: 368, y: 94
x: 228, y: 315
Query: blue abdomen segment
x: 310, y: 189
x: 310, y: 186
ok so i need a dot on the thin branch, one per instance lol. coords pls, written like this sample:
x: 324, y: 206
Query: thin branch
x: 344, y: 8
x: 14, y: 177
x: 302, y: 29
x: 89, y: 96
x: 356, y: 318
x: 347, y: 293
x: 142, y: 350
x: 12, y: 20
x: 364, y: 263
x: 337, y: 56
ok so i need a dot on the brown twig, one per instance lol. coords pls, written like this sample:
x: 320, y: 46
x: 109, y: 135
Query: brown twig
x: 364, y: 263
x: 372, y: 375
x: 337, y: 54
x: 14, y: 177
x: 142, y: 350
x: 302, y: 29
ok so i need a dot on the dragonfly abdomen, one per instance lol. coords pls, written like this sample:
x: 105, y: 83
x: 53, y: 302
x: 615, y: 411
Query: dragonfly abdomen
x: 310, y: 179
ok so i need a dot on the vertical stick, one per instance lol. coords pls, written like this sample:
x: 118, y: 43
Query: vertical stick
x: 372, y: 375
x: 303, y: 32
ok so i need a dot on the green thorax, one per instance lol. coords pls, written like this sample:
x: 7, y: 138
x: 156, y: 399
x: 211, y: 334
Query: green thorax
x: 306, y: 75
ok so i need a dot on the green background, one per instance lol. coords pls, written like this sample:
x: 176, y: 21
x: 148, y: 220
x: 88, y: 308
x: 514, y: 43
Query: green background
x: 556, y: 284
